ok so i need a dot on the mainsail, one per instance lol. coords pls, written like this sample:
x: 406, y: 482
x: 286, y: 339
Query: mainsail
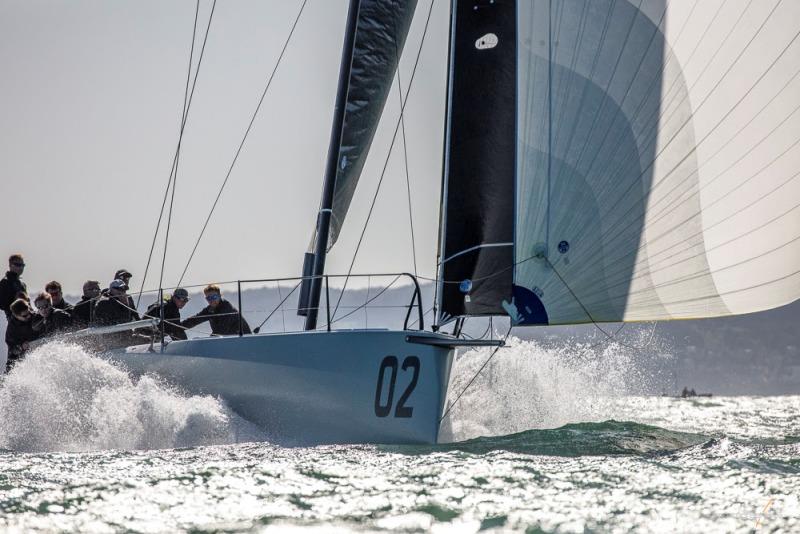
x: 374, y: 39
x: 655, y: 163
x: 381, y: 30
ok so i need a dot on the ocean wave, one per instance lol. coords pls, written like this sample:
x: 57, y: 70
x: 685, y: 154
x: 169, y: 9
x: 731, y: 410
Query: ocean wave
x: 577, y: 439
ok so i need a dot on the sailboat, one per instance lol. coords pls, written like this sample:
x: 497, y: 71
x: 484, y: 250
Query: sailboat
x: 604, y: 161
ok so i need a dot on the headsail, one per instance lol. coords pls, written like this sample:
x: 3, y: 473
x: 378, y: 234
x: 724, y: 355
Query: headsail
x: 476, y: 248
x: 381, y: 32
x: 656, y: 158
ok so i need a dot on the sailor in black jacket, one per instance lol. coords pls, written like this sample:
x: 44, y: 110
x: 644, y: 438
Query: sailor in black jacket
x: 114, y: 308
x: 220, y: 313
x: 125, y: 276
x: 172, y: 313
x: 54, y: 289
x: 49, y: 320
x: 11, y: 286
x: 19, y: 333
x: 83, y: 311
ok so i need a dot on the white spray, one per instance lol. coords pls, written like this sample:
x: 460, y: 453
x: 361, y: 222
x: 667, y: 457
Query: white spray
x: 62, y: 398
x: 532, y: 384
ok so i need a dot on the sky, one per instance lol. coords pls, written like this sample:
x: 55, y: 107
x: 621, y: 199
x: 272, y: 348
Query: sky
x: 92, y: 94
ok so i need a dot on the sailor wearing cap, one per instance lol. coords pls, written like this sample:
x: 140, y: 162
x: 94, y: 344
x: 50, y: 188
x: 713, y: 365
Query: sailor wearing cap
x: 124, y: 275
x: 115, y: 308
x: 171, y: 313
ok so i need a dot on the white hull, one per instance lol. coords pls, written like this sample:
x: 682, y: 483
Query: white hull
x: 352, y: 386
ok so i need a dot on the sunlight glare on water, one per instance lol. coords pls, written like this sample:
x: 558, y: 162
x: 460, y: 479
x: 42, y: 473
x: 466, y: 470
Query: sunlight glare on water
x: 570, y: 443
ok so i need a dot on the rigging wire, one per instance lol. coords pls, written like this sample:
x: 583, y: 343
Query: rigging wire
x: 276, y: 308
x: 415, y: 321
x: 175, y: 157
x: 244, y: 138
x: 408, y: 180
x: 283, y: 312
x: 388, y: 156
x: 589, y: 315
x: 187, y: 103
x: 405, y: 157
x: 373, y: 299
x: 477, y: 373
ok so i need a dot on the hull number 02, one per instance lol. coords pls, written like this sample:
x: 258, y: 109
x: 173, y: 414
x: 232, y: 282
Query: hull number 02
x: 389, y: 366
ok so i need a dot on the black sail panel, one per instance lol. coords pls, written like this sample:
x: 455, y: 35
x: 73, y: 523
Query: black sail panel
x: 381, y: 33
x: 476, y: 248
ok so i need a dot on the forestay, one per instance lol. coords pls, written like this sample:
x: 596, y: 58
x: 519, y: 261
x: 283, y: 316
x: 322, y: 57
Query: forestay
x: 655, y: 165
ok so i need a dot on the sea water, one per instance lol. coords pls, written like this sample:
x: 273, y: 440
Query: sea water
x: 559, y: 438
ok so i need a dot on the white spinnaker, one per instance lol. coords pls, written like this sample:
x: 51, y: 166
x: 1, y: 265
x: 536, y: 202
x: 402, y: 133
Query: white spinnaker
x: 658, y: 157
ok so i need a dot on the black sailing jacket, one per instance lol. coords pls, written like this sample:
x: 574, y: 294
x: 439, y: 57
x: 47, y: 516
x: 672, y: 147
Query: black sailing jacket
x: 58, y: 321
x: 10, y: 286
x: 110, y: 311
x: 172, y: 318
x: 224, y: 319
x: 17, y: 333
x: 82, y: 313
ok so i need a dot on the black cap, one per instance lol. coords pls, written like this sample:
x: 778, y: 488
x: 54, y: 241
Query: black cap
x: 122, y: 273
x: 181, y: 293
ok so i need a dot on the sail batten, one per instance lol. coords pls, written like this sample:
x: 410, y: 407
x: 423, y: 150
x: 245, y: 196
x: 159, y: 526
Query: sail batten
x: 655, y: 160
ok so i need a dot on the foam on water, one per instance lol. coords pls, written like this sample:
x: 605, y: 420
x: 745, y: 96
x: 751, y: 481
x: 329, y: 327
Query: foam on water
x: 534, y: 385
x: 63, y: 398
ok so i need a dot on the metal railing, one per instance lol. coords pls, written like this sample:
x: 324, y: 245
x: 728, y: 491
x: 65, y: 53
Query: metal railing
x: 337, y: 310
x: 329, y: 307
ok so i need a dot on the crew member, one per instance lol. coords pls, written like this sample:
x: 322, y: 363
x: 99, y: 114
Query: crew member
x: 224, y: 318
x: 125, y: 276
x: 171, y: 313
x: 49, y: 320
x: 83, y: 311
x: 54, y: 289
x: 19, y: 333
x: 114, y: 308
x: 11, y: 285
